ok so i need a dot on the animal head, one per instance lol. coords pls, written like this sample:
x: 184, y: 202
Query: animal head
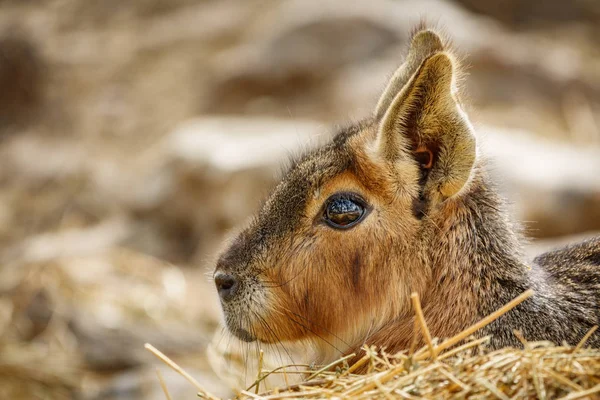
x: 346, y: 236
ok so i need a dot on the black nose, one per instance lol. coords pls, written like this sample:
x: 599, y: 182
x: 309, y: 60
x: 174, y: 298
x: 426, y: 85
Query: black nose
x: 227, y: 285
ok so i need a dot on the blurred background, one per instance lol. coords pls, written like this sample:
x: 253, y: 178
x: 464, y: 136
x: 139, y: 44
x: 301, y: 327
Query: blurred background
x: 135, y: 134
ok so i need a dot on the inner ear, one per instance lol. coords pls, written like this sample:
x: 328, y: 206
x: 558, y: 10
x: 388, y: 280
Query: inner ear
x: 424, y: 157
x: 425, y: 123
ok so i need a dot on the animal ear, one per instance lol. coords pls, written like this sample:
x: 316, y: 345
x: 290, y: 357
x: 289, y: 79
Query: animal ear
x: 424, y: 122
x: 423, y: 44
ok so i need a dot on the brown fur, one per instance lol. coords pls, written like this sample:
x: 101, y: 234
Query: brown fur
x: 435, y: 226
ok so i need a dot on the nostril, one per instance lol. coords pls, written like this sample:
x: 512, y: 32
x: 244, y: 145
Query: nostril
x: 226, y: 285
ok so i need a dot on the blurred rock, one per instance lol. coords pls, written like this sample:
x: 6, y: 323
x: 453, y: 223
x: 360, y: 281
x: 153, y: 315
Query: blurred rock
x: 72, y: 242
x: 538, y: 247
x: 529, y: 161
x: 555, y: 188
x: 110, y: 349
x: 229, y: 144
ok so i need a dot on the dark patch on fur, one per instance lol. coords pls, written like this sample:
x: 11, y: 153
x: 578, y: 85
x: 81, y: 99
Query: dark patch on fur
x: 419, y: 205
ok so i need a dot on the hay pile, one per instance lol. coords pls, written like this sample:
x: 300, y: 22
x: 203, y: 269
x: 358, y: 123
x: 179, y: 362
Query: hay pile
x: 71, y: 325
x: 442, y: 371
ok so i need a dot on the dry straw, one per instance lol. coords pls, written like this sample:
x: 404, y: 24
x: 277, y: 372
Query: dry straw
x: 445, y: 371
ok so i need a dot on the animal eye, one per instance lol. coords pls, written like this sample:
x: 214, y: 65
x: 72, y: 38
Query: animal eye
x: 343, y: 211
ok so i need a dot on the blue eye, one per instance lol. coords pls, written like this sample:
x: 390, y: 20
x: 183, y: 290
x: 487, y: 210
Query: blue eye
x: 343, y: 211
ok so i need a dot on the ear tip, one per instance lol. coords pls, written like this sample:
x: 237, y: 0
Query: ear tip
x: 427, y: 39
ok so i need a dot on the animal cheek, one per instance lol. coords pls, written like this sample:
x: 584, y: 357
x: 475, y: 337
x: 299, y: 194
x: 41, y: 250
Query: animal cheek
x: 356, y: 268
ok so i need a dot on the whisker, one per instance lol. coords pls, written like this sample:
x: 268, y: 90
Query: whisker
x: 228, y: 350
x: 283, y: 262
x: 246, y: 353
x: 289, y: 280
x: 318, y: 325
x: 264, y: 323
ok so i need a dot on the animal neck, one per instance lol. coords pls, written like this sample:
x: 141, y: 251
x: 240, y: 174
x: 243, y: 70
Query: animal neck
x: 475, y: 258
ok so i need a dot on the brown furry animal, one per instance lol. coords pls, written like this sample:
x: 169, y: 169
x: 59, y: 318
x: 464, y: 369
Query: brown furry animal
x: 399, y: 203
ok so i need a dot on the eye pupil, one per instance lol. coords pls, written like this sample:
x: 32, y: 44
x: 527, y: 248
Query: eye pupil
x: 343, y: 212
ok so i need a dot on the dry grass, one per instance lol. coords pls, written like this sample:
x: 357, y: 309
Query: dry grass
x: 58, y: 342
x: 445, y: 371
